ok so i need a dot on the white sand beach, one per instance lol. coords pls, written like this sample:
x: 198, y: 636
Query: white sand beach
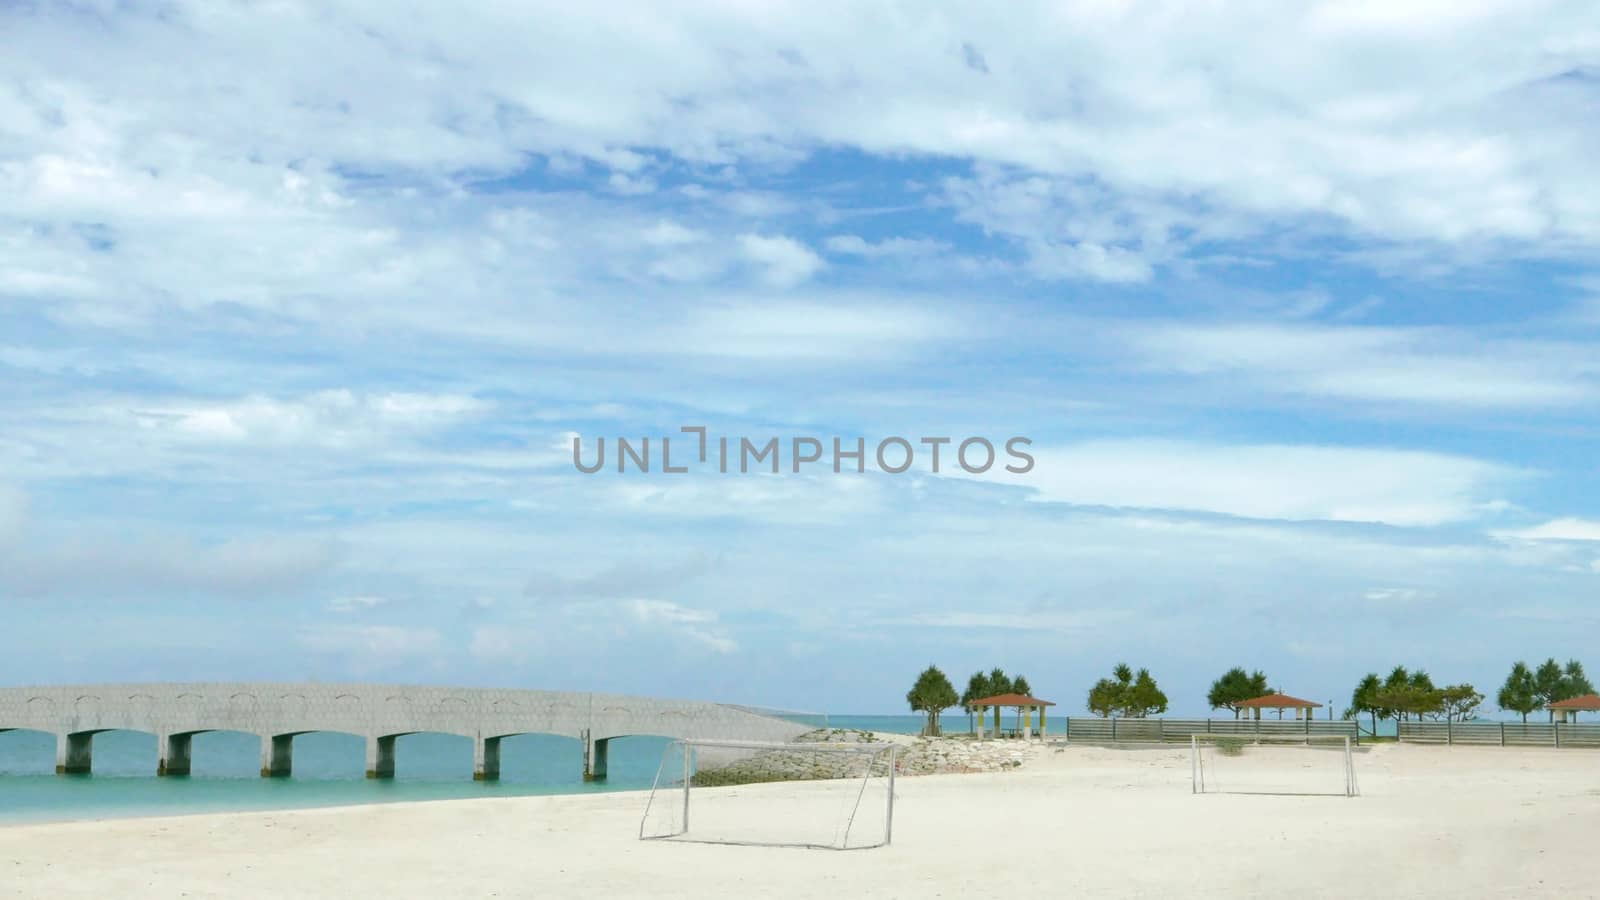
x: 1096, y: 822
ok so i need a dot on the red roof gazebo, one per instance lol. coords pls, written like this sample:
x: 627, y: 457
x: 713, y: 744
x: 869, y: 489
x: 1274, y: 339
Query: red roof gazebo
x: 1566, y: 708
x: 1022, y: 701
x: 1302, y: 708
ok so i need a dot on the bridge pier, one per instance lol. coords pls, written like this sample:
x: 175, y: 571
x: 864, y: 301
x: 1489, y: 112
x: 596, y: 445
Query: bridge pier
x: 485, y: 759
x: 277, y: 755
x: 74, y: 753
x: 594, y: 757
x: 380, y: 757
x: 173, y: 753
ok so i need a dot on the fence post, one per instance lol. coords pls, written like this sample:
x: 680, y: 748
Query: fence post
x: 1502, y: 734
x: 1555, y: 732
x: 1449, y: 734
x: 1161, y: 731
x: 1113, y: 729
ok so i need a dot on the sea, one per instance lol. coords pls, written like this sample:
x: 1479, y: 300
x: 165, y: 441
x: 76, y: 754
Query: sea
x: 329, y: 770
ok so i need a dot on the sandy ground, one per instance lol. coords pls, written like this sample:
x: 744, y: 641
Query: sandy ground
x: 1432, y: 822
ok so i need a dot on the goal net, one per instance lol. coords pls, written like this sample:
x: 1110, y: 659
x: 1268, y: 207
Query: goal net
x: 836, y: 796
x: 1272, y: 764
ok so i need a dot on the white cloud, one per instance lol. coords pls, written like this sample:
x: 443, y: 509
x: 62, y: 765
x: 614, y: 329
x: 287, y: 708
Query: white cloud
x: 1400, y: 365
x: 801, y: 330
x: 888, y: 248
x: 1108, y: 141
x: 89, y: 561
x: 13, y: 513
x: 505, y: 643
x: 698, y: 626
x: 1348, y: 484
x: 334, y: 418
x: 1567, y: 529
x: 1395, y: 595
x: 368, y: 647
x: 360, y: 603
x: 785, y: 261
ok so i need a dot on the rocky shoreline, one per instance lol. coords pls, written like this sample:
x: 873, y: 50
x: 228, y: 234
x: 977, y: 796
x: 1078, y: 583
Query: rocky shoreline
x: 913, y: 756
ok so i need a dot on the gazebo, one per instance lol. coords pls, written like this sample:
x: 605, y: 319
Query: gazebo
x: 1565, y: 708
x: 1280, y: 702
x: 1007, y: 700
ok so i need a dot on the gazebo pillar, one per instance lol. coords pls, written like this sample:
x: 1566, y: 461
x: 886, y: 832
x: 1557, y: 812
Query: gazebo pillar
x: 1041, y: 723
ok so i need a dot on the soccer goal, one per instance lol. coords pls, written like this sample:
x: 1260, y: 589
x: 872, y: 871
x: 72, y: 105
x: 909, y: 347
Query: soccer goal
x: 1272, y: 764
x: 723, y: 792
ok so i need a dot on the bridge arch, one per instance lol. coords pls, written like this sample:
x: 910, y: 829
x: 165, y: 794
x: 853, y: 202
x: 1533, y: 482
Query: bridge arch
x: 24, y: 743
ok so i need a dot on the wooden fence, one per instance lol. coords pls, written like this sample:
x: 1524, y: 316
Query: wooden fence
x: 1167, y: 731
x: 1501, y: 734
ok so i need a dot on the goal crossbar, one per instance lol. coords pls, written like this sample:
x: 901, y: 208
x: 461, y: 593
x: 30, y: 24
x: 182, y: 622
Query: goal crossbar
x: 684, y: 750
x: 1198, y: 781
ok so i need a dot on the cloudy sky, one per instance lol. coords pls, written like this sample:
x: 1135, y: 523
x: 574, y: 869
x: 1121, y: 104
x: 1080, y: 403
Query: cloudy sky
x: 301, y: 304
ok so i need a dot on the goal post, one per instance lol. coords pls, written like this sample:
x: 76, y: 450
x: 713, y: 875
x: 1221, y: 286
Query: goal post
x: 749, y: 793
x: 1305, y: 764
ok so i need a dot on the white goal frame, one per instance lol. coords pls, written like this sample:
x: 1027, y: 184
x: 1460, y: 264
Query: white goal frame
x: 1197, y: 769
x: 870, y: 750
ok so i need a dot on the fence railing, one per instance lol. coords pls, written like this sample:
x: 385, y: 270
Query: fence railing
x: 1162, y: 731
x: 1502, y: 734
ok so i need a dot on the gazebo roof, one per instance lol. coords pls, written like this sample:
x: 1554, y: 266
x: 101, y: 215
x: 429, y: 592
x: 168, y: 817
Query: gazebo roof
x: 1278, y: 701
x: 1010, y: 700
x: 1587, y: 701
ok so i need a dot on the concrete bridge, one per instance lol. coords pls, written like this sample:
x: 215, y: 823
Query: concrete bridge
x: 175, y: 713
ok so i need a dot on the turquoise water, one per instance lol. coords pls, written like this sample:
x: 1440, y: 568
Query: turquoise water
x: 329, y: 770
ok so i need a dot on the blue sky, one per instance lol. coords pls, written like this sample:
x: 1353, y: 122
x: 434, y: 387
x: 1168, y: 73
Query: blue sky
x: 302, y: 303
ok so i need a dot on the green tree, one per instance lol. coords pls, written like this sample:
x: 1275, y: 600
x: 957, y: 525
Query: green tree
x: 1105, y: 698
x: 977, y: 689
x: 1234, y: 686
x: 1144, y: 698
x: 1574, y: 682
x: 1553, y: 683
x: 999, y: 683
x: 1364, y: 699
x: 1398, y: 678
x: 1459, y: 702
x: 1409, y: 701
x: 1520, y: 693
x: 1109, y: 695
x: 1127, y: 693
x: 1019, y: 685
x: 1547, y: 683
x: 931, y: 695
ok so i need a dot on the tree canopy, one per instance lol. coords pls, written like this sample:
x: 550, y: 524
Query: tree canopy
x: 999, y: 682
x: 1552, y: 683
x: 1364, y: 699
x: 1520, y: 693
x: 977, y: 689
x: 1406, y: 695
x: 932, y: 694
x: 1127, y: 693
x: 1237, y: 685
x: 1459, y: 702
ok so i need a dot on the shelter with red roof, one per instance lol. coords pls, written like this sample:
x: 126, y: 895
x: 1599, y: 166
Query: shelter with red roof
x: 1017, y: 701
x: 1302, y: 708
x: 1567, y: 710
